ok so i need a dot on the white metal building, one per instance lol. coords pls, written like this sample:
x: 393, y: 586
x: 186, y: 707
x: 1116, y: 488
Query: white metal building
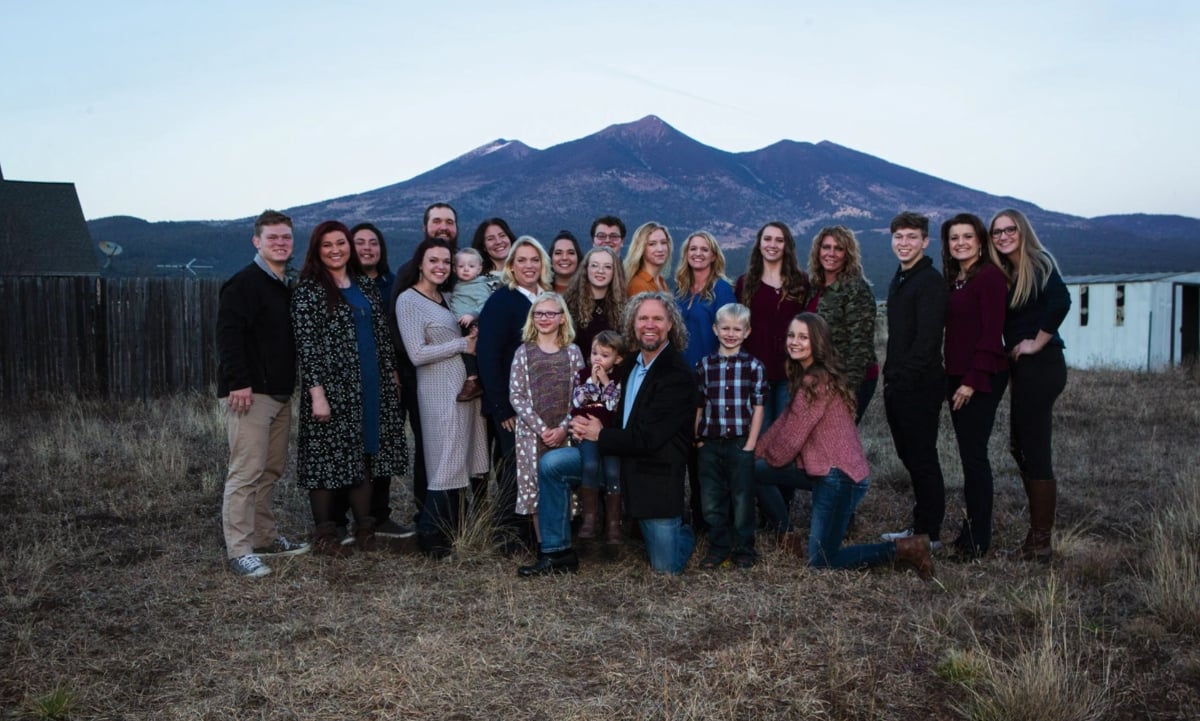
x: 1140, y: 321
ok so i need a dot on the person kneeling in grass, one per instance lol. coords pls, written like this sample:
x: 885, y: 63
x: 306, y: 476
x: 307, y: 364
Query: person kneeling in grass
x: 815, y: 443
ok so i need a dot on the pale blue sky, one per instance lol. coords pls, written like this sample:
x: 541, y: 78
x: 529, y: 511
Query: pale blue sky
x: 173, y: 111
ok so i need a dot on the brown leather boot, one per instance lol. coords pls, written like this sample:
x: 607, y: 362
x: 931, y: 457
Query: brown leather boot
x: 915, y: 551
x: 364, y: 535
x: 470, y: 391
x: 1043, y: 502
x: 325, y: 542
x: 590, y: 498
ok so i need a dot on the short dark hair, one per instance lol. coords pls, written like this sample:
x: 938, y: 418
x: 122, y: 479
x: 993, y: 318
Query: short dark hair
x: 382, y: 266
x: 607, y: 220
x: 909, y: 219
x: 432, y: 207
x: 270, y: 217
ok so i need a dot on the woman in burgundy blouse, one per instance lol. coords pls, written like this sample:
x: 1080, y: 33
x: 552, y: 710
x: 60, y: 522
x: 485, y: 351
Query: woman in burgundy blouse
x: 976, y: 367
x: 775, y: 290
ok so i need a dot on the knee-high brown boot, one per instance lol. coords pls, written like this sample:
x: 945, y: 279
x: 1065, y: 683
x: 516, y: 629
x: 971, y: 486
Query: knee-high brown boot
x: 1043, y: 502
x: 590, y: 498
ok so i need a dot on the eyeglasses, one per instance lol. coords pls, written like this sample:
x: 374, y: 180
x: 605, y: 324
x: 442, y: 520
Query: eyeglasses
x: 546, y: 314
x: 1010, y: 230
x: 610, y: 236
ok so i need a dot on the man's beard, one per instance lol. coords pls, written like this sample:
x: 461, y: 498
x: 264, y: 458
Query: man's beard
x: 644, y: 346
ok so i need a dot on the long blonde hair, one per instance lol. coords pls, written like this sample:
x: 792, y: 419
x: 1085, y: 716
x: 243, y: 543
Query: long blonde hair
x: 683, y: 272
x: 637, y: 247
x: 566, y: 329
x: 1031, y: 268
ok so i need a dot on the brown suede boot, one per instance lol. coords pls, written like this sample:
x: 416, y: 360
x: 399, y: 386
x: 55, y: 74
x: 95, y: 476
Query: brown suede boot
x: 590, y: 498
x: 325, y: 542
x: 364, y: 535
x: 915, y: 551
x: 1043, y: 502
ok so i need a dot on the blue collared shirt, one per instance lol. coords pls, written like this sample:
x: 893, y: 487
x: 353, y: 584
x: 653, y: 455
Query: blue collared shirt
x: 634, y: 384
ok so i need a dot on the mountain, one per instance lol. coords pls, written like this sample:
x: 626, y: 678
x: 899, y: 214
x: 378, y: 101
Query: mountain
x: 649, y: 170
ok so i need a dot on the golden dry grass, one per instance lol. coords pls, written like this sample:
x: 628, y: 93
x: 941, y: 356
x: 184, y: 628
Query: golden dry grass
x: 114, y: 595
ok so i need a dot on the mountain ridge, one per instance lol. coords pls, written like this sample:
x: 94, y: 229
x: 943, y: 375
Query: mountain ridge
x: 648, y: 169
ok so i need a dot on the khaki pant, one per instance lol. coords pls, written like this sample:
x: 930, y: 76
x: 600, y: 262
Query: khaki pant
x: 258, y: 449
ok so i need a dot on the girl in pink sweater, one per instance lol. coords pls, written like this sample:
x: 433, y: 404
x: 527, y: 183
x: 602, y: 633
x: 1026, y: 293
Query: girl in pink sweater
x: 815, y: 444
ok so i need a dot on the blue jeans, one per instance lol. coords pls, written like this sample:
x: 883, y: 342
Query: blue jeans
x: 599, y: 471
x: 727, y: 480
x: 559, y: 471
x: 669, y: 543
x: 775, y: 402
x: 769, y: 483
x: 835, y: 497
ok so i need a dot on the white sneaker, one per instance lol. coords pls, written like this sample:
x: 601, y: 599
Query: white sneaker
x: 250, y: 566
x: 897, y: 535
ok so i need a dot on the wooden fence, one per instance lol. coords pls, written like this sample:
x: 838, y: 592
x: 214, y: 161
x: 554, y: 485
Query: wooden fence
x: 118, y: 338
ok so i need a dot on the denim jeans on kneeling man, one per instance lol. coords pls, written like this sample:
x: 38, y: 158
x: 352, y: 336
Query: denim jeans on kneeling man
x: 669, y: 543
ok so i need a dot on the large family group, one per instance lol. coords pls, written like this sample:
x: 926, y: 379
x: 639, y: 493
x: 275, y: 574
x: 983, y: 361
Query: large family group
x: 607, y: 405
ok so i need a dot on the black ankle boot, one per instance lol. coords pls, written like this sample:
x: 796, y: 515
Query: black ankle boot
x: 552, y: 563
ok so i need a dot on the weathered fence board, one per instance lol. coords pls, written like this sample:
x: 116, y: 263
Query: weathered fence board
x: 114, y: 337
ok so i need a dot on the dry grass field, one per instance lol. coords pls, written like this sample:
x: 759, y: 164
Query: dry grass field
x: 116, y: 603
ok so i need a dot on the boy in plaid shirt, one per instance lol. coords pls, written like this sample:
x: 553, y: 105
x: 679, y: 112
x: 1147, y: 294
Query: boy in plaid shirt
x: 733, y: 385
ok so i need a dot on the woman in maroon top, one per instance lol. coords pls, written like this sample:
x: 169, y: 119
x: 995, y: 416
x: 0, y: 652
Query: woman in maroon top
x: 775, y: 290
x: 976, y: 367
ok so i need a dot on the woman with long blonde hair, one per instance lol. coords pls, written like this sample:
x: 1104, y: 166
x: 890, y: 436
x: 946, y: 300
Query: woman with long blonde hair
x: 1038, y: 301
x: 649, y: 253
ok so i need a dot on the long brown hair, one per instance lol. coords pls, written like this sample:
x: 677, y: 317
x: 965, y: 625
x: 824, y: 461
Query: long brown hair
x: 950, y: 265
x: 313, y: 267
x: 847, y: 242
x: 579, y: 292
x: 795, y: 282
x: 826, y: 368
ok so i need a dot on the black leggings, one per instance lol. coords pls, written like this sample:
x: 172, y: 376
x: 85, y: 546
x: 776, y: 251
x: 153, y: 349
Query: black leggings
x: 1037, y: 380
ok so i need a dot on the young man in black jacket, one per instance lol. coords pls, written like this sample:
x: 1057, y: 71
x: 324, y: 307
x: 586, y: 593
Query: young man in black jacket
x: 913, y: 375
x: 257, y: 376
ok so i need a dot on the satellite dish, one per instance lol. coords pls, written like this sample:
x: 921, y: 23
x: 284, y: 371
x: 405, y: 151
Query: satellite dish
x: 110, y: 249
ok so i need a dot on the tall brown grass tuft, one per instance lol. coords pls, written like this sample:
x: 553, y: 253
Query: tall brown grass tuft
x: 1172, y: 583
